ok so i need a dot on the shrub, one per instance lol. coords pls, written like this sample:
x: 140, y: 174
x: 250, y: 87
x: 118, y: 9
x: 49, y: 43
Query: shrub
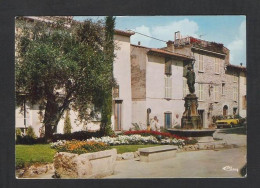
x: 79, y: 135
x: 67, y: 124
x: 190, y: 141
x: 28, y: 140
x: 30, y: 132
x: 18, y: 132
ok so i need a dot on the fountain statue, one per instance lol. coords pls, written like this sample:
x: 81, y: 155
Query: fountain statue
x: 190, y: 118
x: 191, y: 124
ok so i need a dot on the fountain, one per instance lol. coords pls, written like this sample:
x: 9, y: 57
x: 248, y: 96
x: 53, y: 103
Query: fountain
x: 191, y: 125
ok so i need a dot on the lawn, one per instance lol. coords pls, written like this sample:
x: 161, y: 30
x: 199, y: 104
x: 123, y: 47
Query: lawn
x: 27, y: 155
x: 30, y: 154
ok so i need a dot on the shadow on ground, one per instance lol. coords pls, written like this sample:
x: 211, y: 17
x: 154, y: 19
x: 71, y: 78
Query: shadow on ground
x: 238, y: 130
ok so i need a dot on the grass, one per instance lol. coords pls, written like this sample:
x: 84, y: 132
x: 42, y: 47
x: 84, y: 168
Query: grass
x: 27, y: 155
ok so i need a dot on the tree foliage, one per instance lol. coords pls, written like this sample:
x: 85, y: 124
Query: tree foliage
x: 109, y: 54
x: 59, y: 66
x: 67, y: 123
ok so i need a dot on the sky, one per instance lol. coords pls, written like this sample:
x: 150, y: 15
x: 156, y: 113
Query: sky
x: 228, y: 30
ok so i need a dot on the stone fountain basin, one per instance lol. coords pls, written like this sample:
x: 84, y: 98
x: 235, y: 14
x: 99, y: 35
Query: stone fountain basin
x: 192, y: 132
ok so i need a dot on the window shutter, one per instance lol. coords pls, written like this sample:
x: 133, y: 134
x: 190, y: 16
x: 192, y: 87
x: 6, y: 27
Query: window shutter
x: 168, y: 87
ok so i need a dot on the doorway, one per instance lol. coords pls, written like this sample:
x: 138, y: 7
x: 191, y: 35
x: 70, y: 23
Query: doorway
x: 225, y: 110
x: 201, y: 113
x: 117, y: 114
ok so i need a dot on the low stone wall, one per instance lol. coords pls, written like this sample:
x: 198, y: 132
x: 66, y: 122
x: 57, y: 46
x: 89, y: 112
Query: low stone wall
x: 206, y: 146
x: 157, y: 153
x: 89, y: 165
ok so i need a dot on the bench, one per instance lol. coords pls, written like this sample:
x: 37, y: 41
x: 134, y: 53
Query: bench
x: 157, y: 153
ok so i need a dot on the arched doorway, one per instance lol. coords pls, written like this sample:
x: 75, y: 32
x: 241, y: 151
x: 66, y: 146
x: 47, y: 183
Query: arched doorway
x: 225, y: 110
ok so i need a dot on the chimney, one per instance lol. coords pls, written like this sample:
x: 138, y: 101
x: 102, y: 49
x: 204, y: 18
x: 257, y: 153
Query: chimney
x: 139, y: 43
x: 170, y: 45
x: 241, y: 64
x: 177, y: 35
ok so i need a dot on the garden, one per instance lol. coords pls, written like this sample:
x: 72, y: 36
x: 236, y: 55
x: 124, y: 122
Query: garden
x: 34, y: 151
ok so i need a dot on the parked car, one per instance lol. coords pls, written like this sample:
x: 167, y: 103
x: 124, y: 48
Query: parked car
x: 227, y: 123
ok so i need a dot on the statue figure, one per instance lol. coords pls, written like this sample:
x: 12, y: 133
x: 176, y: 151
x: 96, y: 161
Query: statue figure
x: 190, y: 79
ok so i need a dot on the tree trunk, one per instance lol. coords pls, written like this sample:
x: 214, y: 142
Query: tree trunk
x: 53, y: 113
x: 50, y: 118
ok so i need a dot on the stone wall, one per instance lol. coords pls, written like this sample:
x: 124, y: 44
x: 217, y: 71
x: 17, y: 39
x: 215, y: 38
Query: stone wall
x: 138, y: 72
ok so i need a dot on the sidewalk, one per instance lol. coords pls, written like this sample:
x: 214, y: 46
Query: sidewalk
x: 206, y: 163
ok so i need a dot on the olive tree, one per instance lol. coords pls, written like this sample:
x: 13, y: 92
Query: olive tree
x: 60, y: 67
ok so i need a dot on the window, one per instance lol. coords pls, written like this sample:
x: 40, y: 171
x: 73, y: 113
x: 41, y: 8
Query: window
x: 244, y: 102
x: 217, y: 64
x: 216, y: 93
x: 185, y: 87
x: 235, y: 93
x: 200, y: 94
x: 201, y: 68
x: 223, y: 87
x: 167, y: 120
x: 168, y: 68
x: 168, y: 87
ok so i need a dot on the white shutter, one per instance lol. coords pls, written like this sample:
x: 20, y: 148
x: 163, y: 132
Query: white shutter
x: 168, y: 87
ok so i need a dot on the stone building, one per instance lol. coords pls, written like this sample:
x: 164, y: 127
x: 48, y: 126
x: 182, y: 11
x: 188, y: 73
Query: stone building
x: 157, y: 85
x: 217, y: 82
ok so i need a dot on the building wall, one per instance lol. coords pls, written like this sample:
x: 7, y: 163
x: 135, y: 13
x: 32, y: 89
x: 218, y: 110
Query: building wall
x: 242, y: 93
x: 154, y: 85
x: 138, y: 72
x: 122, y: 74
x: 211, y: 82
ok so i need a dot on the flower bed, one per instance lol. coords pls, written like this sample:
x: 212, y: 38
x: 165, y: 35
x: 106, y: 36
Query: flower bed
x: 154, y: 133
x: 79, y: 147
x: 98, y: 144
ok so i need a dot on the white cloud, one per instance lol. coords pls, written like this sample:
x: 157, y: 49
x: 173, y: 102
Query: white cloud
x: 238, y: 46
x: 164, y: 32
x: 145, y: 41
x: 185, y: 26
